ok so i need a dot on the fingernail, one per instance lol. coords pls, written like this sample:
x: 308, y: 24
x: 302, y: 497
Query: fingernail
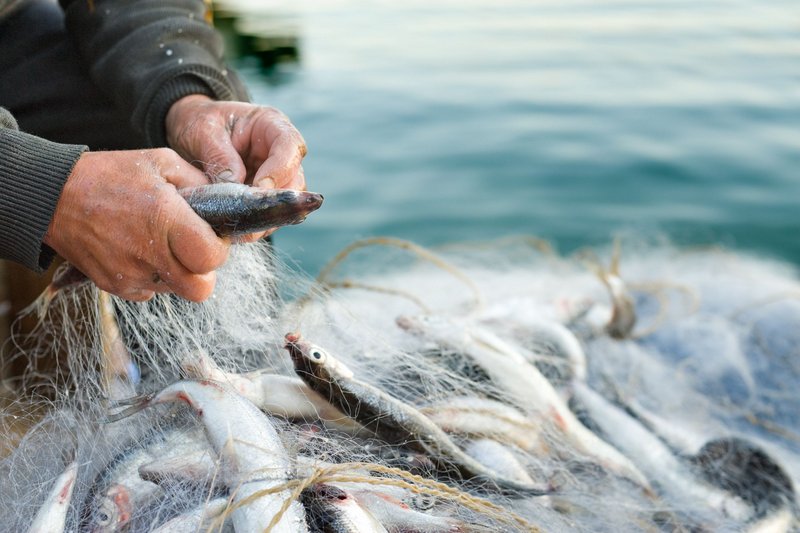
x: 224, y: 176
x: 266, y: 183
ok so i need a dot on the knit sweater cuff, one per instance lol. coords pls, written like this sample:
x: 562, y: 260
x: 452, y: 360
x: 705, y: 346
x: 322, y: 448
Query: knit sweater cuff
x: 196, y: 79
x: 32, y: 174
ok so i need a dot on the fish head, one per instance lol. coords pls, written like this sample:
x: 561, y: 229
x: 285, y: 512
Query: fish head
x: 312, y: 362
x: 113, y: 512
x: 288, y: 207
x: 335, y: 509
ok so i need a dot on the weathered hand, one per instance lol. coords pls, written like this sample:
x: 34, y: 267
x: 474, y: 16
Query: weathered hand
x: 237, y: 141
x: 121, y: 221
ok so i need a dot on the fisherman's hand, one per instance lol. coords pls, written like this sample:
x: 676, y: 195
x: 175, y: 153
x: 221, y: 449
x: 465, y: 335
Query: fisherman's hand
x: 121, y: 221
x: 238, y: 141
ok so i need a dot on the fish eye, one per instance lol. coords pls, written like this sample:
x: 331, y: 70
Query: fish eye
x: 318, y: 356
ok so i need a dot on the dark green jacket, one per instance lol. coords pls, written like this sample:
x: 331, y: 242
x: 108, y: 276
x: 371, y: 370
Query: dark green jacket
x: 144, y: 55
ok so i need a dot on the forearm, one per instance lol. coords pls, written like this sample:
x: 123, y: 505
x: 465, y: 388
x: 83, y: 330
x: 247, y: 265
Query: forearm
x: 147, y: 54
x: 32, y: 175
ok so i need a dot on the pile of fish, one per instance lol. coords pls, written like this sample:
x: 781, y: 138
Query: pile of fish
x: 453, y: 393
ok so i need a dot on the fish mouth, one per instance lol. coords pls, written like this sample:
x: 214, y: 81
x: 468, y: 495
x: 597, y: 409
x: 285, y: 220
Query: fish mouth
x: 312, y: 200
x: 295, y: 352
x: 307, y: 203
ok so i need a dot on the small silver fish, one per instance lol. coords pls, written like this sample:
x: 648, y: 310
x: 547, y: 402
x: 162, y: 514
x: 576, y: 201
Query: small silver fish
x: 286, y: 396
x: 331, y: 509
x: 251, y: 453
x: 53, y: 512
x: 393, y: 420
x: 198, y: 519
x: 237, y: 209
x: 674, y: 477
x: 231, y: 209
x: 522, y: 382
x: 482, y: 417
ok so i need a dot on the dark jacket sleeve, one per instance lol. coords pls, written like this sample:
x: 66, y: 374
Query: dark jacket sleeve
x: 32, y: 174
x: 146, y: 54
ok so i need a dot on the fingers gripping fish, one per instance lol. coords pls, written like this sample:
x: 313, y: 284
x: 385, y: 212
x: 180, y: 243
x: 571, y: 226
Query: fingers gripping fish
x: 231, y: 209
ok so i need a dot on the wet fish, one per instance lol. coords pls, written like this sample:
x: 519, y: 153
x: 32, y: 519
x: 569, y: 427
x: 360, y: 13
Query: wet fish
x: 194, y: 520
x: 523, y: 382
x: 623, y: 311
x: 120, y: 374
x: 286, y: 396
x: 499, y: 458
x: 237, y: 209
x: 673, y: 476
x: 251, y: 453
x: 192, y: 460
x: 393, y: 420
x: 118, y: 491
x: 481, y: 417
x: 52, y: 514
x: 331, y: 509
x: 397, y: 517
x: 231, y: 209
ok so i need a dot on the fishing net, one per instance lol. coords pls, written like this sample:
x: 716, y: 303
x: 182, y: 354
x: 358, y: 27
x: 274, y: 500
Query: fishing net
x: 681, y: 417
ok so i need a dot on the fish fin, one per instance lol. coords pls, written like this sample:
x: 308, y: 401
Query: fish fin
x: 136, y: 404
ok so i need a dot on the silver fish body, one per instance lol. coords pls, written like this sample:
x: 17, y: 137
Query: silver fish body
x: 118, y: 492
x: 278, y: 395
x: 231, y: 209
x: 52, y: 514
x: 524, y: 384
x: 198, y: 519
x: 237, y: 209
x: 673, y: 476
x: 330, y: 509
x: 393, y: 420
x: 251, y: 453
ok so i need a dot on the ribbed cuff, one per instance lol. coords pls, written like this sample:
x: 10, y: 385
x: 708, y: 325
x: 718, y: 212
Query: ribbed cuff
x: 195, y: 79
x: 155, y: 120
x: 32, y: 175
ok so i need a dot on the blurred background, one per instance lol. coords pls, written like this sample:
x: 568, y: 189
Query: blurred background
x: 574, y: 120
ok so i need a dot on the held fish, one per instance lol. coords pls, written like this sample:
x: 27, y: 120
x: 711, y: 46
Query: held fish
x: 231, y: 209
x: 393, y: 420
x: 52, y: 514
x: 237, y: 209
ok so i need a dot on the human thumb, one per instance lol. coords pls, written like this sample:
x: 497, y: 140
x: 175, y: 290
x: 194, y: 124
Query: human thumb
x: 221, y: 162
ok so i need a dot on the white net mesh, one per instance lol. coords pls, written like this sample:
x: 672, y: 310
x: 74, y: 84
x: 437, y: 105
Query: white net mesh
x: 688, y: 423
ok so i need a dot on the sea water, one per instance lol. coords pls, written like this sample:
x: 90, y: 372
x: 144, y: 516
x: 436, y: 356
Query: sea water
x: 574, y: 120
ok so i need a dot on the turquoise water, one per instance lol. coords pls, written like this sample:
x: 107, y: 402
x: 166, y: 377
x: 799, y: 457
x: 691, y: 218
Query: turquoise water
x: 572, y: 120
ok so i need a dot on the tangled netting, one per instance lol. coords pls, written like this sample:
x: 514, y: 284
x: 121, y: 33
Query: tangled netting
x: 650, y: 390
